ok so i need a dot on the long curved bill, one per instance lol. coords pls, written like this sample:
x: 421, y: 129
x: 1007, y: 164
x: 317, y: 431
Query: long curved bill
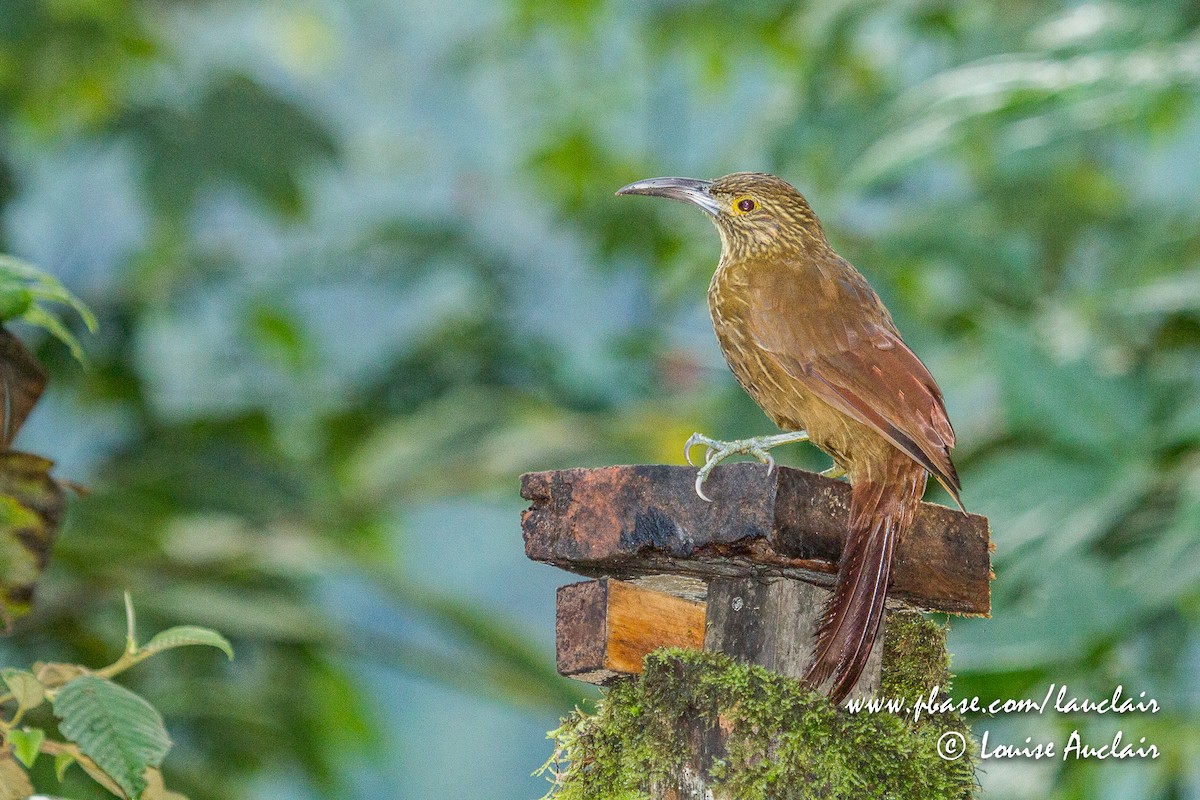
x: 689, y: 190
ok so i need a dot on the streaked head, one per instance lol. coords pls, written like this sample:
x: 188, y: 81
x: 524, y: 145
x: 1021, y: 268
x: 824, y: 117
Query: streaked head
x: 754, y: 211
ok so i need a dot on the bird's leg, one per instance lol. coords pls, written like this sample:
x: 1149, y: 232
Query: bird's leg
x: 717, y: 451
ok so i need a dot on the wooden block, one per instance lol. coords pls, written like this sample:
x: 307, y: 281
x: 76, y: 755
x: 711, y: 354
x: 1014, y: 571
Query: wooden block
x: 647, y: 520
x: 773, y: 623
x: 605, y: 628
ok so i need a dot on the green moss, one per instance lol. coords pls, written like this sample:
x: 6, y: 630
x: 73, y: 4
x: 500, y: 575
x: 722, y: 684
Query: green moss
x: 914, y: 656
x: 783, y: 740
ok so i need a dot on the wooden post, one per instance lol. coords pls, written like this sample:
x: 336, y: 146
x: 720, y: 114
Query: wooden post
x: 772, y: 622
x: 746, y: 576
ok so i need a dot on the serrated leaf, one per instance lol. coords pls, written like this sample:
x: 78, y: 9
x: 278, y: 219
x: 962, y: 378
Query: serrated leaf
x: 14, y: 782
x: 116, y: 728
x: 26, y: 744
x: 62, y: 762
x: 26, y: 689
x: 186, y: 635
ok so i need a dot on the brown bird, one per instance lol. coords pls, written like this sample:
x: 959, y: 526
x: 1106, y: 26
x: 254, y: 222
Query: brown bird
x: 814, y: 346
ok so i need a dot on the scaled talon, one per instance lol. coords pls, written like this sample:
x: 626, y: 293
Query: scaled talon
x: 717, y: 451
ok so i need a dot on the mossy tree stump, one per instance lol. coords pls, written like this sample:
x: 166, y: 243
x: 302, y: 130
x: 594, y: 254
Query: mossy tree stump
x: 734, y: 590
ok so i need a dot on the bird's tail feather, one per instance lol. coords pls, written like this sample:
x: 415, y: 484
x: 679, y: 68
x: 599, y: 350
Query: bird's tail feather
x: 882, y: 508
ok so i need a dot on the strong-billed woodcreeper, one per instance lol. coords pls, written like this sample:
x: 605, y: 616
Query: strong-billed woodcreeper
x: 814, y: 346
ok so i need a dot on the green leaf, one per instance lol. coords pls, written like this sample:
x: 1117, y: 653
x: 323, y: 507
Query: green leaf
x: 26, y: 744
x: 14, y: 301
x: 25, y: 687
x: 119, y: 730
x: 23, y: 287
x: 62, y: 762
x: 280, y: 336
x: 185, y: 635
x: 36, y: 315
x: 42, y: 285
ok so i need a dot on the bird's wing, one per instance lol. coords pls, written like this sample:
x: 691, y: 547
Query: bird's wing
x: 859, y: 365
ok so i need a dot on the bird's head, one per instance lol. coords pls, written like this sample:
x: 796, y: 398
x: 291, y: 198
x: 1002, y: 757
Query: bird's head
x: 754, y: 212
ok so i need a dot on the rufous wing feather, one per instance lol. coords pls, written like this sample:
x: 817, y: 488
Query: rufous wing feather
x: 858, y: 365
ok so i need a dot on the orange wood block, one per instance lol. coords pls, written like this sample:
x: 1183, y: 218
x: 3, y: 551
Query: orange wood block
x: 606, y: 627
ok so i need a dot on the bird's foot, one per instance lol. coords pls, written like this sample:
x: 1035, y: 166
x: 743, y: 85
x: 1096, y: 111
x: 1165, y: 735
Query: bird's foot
x: 717, y: 451
x: 833, y: 472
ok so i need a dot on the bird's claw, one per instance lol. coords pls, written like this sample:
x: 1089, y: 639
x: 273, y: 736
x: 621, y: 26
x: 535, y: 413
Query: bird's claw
x: 695, y: 439
x: 716, y: 451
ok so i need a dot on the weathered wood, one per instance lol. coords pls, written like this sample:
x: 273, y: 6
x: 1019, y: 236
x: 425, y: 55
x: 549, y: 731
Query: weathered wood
x: 706, y: 745
x: 773, y: 623
x: 647, y: 520
x: 605, y: 628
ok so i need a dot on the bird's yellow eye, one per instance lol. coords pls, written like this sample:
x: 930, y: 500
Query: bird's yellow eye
x: 746, y: 205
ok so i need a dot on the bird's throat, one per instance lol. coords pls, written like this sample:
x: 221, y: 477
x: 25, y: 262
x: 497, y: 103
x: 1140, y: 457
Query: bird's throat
x: 766, y: 239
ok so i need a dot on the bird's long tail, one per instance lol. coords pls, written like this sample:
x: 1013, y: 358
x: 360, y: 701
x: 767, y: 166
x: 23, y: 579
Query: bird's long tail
x: 882, y: 508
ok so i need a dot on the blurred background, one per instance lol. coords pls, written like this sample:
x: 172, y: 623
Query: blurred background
x: 358, y: 265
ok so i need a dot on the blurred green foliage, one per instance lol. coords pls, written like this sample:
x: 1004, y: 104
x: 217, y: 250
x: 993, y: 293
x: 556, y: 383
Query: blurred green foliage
x: 354, y: 262
x: 116, y: 737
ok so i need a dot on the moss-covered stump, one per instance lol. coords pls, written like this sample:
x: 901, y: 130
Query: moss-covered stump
x: 698, y: 723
